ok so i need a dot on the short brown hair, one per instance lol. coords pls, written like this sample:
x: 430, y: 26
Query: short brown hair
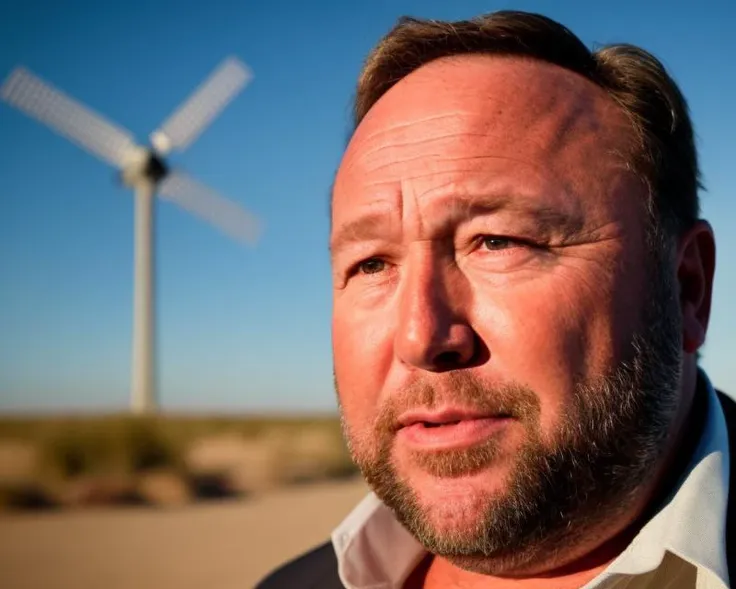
x: 664, y: 156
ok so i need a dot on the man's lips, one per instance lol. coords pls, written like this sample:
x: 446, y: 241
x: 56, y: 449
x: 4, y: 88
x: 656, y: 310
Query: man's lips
x: 448, y: 428
x: 444, y: 416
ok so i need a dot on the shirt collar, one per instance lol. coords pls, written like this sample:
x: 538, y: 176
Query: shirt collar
x: 692, y: 524
x: 374, y: 551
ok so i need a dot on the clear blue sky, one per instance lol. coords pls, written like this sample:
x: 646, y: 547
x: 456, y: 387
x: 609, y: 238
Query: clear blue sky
x: 248, y: 328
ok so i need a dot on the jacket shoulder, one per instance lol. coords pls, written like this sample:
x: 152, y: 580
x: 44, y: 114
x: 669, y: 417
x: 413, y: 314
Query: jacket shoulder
x: 315, y: 569
x: 729, y: 405
x: 729, y: 411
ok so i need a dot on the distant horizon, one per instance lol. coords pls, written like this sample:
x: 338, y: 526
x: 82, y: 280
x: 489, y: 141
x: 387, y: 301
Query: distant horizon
x: 272, y: 413
x: 198, y: 411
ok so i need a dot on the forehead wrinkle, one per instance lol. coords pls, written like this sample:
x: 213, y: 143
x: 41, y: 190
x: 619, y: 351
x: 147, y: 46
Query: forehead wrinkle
x: 366, y: 158
x: 436, y: 156
x: 410, y: 208
x: 393, y: 164
x: 421, y: 141
x: 364, y: 141
x: 556, y: 139
x: 455, y: 114
x: 455, y: 171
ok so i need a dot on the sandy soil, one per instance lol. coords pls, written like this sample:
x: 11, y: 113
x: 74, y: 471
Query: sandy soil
x: 215, y: 546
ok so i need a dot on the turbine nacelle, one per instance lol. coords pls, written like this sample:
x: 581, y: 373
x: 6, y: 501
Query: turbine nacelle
x: 143, y: 164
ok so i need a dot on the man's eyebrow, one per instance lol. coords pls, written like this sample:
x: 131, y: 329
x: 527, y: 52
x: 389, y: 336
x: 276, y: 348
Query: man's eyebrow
x: 551, y: 220
x: 547, y: 218
x: 363, y: 228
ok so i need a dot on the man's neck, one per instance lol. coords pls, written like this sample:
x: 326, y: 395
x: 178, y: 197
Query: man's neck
x: 438, y: 573
x: 435, y: 572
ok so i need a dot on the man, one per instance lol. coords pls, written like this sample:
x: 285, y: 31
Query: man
x: 521, y: 286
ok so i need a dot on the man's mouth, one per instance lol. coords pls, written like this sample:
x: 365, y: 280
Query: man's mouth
x: 448, y: 428
x: 432, y: 424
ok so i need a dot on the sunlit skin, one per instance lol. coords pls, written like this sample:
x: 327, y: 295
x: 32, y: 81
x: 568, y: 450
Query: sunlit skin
x: 484, y: 220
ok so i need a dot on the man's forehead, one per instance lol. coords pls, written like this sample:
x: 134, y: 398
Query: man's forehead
x: 489, y: 86
x: 482, y: 95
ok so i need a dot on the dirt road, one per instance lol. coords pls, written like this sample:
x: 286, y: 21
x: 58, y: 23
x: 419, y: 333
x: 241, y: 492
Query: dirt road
x: 216, y: 546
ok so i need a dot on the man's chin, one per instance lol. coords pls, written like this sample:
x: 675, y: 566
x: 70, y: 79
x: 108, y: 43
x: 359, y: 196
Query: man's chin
x: 452, y: 504
x: 488, y: 482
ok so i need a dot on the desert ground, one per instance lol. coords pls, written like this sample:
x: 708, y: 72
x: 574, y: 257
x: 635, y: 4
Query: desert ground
x: 225, y: 545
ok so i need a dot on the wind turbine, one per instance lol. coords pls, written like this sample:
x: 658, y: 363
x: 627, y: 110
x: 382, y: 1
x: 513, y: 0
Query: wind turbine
x: 144, y: 170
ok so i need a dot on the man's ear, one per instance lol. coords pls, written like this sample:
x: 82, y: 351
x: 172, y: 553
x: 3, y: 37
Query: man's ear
x: 696, y: 263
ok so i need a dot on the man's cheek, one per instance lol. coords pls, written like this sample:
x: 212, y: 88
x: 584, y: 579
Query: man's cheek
x: 359, y: 405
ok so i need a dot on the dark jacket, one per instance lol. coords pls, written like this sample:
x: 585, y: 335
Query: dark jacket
x: 317, y: 569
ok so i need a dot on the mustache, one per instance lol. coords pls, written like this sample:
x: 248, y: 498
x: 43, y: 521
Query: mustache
x: 463, y: 390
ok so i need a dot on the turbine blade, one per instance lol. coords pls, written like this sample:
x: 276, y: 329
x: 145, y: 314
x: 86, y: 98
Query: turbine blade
x: 207, y: 101
x: 67, y: 117
x: 207, y: 204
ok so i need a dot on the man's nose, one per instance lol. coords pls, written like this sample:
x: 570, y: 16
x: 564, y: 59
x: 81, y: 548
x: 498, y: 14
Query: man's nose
x: 432, y: 332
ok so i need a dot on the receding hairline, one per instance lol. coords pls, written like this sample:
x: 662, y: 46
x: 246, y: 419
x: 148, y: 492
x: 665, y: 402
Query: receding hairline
x: 545, y: 70
x: 597, y: 92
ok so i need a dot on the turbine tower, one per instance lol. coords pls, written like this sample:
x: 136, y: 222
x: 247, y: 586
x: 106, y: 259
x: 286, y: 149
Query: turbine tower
x: 144, y: 170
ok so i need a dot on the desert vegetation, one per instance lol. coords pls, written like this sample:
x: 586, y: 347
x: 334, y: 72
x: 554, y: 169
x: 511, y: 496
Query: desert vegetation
x: 167, y: 460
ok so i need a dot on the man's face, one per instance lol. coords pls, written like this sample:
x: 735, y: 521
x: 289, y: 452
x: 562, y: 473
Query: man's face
x: 505, y: 358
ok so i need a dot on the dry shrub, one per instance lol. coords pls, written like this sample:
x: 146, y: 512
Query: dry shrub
x: 106, y: 447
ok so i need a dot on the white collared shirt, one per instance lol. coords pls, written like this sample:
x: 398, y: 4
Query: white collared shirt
x: 682, y: 547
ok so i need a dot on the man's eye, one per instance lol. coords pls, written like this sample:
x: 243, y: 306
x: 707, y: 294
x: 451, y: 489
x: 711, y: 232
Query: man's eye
x: 371, y: 266
x: 497, y: 243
